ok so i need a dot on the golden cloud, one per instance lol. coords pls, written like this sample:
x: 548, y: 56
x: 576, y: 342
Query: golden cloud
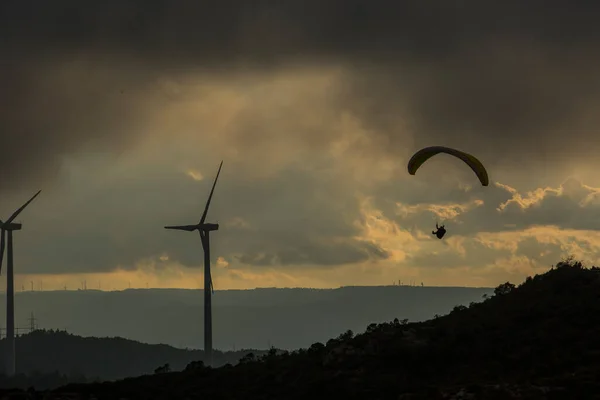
x: 195, y: 174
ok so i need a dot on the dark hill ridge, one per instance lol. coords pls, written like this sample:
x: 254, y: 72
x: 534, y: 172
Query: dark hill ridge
x: 540, y: 340
x: 44, y: 352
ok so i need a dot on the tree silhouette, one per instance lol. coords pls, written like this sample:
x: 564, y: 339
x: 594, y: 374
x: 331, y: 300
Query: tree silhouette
x: 504, y: 289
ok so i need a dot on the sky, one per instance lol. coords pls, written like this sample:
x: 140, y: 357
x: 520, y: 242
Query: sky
x: 120, y: 111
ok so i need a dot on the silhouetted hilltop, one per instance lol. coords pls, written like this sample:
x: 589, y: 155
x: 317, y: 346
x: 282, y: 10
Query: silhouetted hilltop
x: 539, y: 340
x: 44, y: 352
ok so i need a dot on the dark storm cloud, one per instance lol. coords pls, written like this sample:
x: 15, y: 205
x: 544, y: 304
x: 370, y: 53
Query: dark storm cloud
x: 224, y: 32
x: 114, y: 222
x: 307, y: 251
x: 510, y: 78
x: 48, y: 111
x: 511, y: 103
x: 288, y: 226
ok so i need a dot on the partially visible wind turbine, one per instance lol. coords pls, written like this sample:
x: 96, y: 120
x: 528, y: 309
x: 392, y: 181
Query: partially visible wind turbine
x: 204, y: 230
x: 10, y: 226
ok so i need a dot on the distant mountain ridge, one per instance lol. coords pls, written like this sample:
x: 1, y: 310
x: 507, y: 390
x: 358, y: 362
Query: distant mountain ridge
x: 46, y: 352
x: 284, y: 318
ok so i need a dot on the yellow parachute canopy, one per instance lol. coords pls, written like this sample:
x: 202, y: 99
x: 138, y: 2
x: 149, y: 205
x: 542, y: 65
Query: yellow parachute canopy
x: 425, y: 154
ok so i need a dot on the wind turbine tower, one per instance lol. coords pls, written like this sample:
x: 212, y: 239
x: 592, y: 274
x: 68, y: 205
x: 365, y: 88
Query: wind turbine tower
x: 8, y: 227
x: 204, y: 230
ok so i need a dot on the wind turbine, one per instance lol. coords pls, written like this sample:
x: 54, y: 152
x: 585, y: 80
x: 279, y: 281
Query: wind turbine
x: 10, y: 226
x: 204, y: 230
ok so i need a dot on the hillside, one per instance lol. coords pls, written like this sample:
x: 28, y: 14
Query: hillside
x: 88, y: 358
x: 284, y: 318
x: 537, y: 340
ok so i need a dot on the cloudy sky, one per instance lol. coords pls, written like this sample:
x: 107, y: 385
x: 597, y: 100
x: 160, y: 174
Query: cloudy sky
x: 120, y: 111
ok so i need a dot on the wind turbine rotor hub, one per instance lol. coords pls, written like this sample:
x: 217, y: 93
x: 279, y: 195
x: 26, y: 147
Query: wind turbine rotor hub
x: 210, y: 227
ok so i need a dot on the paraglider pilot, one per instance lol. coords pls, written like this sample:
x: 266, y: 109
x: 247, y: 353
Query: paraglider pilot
x: 441, y: 231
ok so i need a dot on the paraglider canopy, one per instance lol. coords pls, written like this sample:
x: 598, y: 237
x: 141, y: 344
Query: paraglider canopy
x: 425, y: 154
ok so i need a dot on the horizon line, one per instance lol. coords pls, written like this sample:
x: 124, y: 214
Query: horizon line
x: 256, y: 288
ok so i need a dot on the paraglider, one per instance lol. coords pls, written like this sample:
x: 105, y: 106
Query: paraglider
x: 440, y: 232
x: 425, y: 154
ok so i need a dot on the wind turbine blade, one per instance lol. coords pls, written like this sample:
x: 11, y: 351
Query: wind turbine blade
x: 189, y: 228
x: 2, y: 243
x: 202, y: 240
x: 203, y: 237
x: 12, y: 217
x: 211, y: 194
